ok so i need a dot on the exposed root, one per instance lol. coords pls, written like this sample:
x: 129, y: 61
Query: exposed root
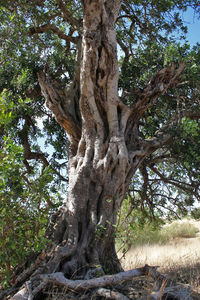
x: 29, y: 271
x: 29, y: 290
x: 106, y: 286
x: 43, y: 264
x: 107, y: 280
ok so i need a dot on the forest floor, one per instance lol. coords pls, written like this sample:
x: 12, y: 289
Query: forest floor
x: 179, y: 258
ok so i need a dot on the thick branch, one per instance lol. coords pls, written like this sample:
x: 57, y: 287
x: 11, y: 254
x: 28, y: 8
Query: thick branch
x: 149, y: 146
x: 165, y: 287
x: 55, y: 102
x: 162, y: 285
x: 158, y: 86
x: 28, y: 154
x: 156, y: 142
x: 54, y: 29
x: 163, y: 136
x: 193, y: 115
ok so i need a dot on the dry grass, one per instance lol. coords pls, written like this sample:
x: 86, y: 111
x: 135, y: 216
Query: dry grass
x: 180, y: 258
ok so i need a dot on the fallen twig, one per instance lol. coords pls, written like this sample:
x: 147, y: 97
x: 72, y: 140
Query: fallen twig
x: 108, y: 294
x: 173, y: 292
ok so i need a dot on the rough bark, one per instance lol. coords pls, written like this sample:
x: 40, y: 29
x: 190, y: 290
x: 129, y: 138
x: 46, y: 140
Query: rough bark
x: 104, y: 151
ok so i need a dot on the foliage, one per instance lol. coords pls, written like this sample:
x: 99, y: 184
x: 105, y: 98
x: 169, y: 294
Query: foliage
x: 25, y: 204
x: 195, y: 213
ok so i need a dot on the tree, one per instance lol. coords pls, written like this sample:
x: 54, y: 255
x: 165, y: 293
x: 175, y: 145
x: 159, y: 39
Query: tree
x: 26, y: 201
x: 72, y: 49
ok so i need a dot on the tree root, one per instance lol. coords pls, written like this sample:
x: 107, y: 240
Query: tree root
x: 164, y: 288
x: 59, y: 279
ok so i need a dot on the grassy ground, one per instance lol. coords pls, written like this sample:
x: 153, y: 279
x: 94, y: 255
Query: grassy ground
x: 176, y: 248
x: 177, y: 255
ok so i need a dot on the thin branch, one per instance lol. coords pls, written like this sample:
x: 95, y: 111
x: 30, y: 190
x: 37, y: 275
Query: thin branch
x: 124, y: 16
x: 144, y: 191
x: 169, y: 209
x: 170, y: 180
x: 28, y: 154
x: 68, y: 15
x: 52, y: 17
x: 178, y: 184
x: 130, y: 13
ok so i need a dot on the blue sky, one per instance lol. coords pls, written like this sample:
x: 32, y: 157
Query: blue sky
x: 193, y: 24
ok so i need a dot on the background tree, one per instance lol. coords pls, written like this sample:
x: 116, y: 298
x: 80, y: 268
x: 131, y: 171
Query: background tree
x: 112, y: 130
x: 27, y: 200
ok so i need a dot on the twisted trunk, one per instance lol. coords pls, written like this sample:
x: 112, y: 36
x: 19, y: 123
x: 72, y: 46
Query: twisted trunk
x: 99, y: 167
x: 104, y: 151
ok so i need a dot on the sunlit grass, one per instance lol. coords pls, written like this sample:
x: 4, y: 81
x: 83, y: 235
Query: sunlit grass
x: 148, y: 235
x: 175, y: 248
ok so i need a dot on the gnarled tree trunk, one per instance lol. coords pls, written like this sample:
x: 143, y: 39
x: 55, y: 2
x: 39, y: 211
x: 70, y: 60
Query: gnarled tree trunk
x: 104, y: 149
x: 100, y: 165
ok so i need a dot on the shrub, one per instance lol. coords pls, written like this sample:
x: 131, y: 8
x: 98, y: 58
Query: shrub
x: 179, y: 230
x: 195, y: 213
